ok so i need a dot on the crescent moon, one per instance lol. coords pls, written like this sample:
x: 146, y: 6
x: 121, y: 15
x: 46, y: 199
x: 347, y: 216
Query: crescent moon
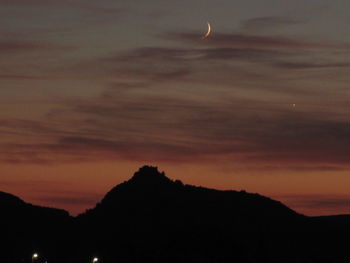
x: 208, y: 32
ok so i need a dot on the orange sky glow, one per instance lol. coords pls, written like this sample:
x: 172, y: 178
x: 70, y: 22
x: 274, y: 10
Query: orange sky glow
x: 90, y: 91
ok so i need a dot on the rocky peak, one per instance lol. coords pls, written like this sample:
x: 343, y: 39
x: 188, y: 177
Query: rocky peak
x: 149, y: 174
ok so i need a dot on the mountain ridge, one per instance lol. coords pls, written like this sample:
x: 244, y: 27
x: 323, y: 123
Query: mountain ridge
x: 149, y: 185
x: 153, y: 218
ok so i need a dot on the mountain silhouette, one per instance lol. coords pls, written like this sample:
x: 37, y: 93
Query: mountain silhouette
x: 155, y: 197
x: 153, y: 218
x: 24, y: 226
x: 12, y: 205
x: 8, y: 200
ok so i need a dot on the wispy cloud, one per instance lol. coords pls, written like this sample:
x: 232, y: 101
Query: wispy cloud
x: 72, y: 199
x: 317, y: 204
x: 310, y: 65
x: 162, y: 128
x: 23, y: 77
x: 152, y: 110
x: 9, y: 46
x: 259, y: 24
x: 248, y: 41
x: 94, y: 8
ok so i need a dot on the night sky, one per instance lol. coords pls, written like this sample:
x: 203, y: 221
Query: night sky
x: 92, y: 90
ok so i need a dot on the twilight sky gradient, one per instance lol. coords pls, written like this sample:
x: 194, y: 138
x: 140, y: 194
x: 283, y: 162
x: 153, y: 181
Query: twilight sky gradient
x: 92, y: 90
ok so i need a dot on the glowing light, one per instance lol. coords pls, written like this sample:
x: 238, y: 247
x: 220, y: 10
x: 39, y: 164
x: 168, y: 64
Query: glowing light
x: 208, y: 32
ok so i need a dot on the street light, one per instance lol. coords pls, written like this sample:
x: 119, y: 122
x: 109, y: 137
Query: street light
x: 94, y: 260
x: 34, y: 257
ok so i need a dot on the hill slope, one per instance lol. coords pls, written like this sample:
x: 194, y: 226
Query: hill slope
x: 150, y: 194
x: 24, y: 227
x: 153, y: 218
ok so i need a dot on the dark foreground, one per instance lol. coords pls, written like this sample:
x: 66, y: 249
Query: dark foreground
x: 152, y: 218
